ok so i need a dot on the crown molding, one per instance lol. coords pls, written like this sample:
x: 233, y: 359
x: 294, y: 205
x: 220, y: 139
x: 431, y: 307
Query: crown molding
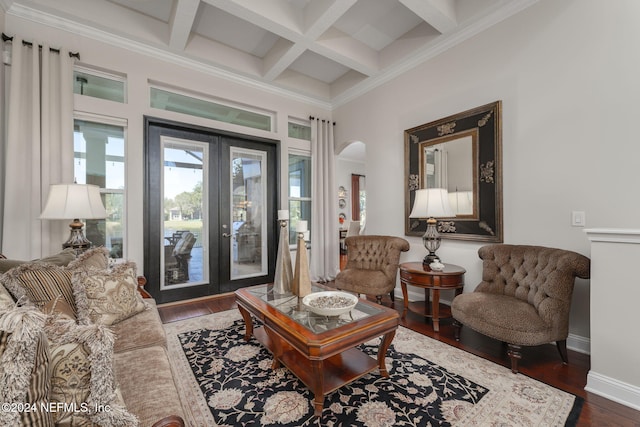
x: 500, y: 12
x: 75, y: 27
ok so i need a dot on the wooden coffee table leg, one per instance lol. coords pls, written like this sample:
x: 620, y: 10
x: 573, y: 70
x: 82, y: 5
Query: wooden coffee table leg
x: 248, y: 323
x: 317, y: 389
x: 382, y: 352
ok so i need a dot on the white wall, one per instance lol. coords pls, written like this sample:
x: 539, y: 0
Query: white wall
x: 567, y: 73
x: 141, y: 69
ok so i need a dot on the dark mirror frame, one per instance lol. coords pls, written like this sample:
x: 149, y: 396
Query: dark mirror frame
x: 487, y: 121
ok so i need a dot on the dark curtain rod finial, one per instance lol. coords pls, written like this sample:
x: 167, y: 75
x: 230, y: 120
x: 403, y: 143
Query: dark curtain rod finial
x: 6, y: 38
x: 317, y: 118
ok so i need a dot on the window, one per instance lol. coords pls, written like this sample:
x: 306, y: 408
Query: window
x: 299, y: 192
x: 199, y: 107
x: 99, y: 84
x: 99, y: 160
x: 299, y: 129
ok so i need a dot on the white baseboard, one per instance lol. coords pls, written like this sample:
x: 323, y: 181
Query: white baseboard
x: 579, y: 343
x: 612, y: 389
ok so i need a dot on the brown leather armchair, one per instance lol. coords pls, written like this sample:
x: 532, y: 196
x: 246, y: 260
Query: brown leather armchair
x: 524, y: 298
x: 372, y: 265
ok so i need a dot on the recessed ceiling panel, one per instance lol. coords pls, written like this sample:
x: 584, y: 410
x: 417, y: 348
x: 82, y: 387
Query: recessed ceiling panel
x: 218, y: 25
x: 159, y: 9
x: 377, y: 23
x: 318, y: 67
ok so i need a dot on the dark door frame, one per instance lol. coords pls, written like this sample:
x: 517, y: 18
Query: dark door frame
x: 151, y: 207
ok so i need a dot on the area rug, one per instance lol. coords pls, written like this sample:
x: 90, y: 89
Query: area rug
x: 226, y: 381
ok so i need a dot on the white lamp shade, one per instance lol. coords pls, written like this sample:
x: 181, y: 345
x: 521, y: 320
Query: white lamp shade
x: 74, y: 201
x: 431, y: 203
x: 461, y: 202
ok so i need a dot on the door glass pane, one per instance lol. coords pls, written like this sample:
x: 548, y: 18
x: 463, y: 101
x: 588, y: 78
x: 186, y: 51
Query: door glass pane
x: 248, y: 213
x: 299, y: 193
x: 99, y: 160
x: 184, y: 255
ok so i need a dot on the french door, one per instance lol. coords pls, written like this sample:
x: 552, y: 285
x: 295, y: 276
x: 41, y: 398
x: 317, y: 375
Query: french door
x: 210, y: 198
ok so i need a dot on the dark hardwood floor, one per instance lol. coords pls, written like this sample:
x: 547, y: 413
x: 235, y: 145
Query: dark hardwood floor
x: 542, y: 363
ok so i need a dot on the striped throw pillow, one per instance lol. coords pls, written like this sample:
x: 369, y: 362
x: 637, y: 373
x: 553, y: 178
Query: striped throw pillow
x: 41, y: 283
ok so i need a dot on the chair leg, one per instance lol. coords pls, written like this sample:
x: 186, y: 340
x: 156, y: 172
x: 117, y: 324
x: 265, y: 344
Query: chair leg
x: 456, y: 329
x: 515, y: 354
x: 379, y: 299
x: 393, y: 296
x: 562, y: 348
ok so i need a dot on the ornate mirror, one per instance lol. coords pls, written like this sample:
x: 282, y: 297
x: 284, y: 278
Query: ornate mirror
x: 462, y: 154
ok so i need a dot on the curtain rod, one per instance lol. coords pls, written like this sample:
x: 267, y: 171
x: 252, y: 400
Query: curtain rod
x: 317, y: 118
x: 6, y: 38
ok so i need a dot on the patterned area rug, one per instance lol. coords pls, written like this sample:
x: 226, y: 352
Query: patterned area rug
x: 229, y: 382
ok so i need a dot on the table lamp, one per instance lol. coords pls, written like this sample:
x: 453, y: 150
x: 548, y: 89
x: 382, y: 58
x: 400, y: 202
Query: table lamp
x: 74, y: 201
x: 431, y: 203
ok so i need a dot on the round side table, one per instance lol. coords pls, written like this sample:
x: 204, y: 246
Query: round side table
x: 416, y: 274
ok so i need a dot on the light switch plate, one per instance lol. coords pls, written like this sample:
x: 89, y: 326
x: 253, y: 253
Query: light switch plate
x: 578, y: 218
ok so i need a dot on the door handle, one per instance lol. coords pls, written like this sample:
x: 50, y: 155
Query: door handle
x: 227, y: 235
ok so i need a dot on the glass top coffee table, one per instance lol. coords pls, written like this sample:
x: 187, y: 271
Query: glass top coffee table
x: 320, y: 350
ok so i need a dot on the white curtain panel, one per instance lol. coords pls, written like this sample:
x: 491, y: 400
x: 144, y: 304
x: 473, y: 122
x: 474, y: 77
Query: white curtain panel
x: 324, y: 259
x: 39, y: 149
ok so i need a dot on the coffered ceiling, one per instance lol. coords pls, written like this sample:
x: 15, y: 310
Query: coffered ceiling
x: 323, y: 51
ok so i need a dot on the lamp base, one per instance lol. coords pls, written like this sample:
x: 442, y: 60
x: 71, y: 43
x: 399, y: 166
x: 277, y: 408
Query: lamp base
x: 431, y: 257
x: 77, y: 240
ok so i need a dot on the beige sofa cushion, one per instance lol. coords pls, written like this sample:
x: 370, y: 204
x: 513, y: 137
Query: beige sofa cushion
x: 142, y: 330
x: 147, y: 384
x: 61, y: 259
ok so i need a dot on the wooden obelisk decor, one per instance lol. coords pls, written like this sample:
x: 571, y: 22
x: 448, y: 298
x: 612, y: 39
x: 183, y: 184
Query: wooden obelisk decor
x: 284, y: 273
x: 301, y: 279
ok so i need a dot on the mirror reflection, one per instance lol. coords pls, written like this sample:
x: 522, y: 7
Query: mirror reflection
x: 450, y: 163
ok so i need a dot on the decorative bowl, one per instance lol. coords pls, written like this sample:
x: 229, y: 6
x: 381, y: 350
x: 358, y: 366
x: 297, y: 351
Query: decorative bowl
x: 330, y: 303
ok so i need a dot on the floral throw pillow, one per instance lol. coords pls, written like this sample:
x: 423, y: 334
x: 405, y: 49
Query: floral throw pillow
x: 91, y: 258
x: 82, y: 379
x: 107, y: 297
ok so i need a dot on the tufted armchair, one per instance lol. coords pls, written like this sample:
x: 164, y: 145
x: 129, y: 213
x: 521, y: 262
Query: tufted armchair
x: 372, y: 265
x: 524, y: 298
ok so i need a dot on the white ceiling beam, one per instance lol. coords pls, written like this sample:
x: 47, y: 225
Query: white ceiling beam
x: 321, y: 15
x: 280, y: 57
x: 346, y: 50
x: 440, y: 14
x: 181, y: 22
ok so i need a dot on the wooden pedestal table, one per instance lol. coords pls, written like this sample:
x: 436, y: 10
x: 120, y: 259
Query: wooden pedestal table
x: 321, y: 351
x: 416, y: 274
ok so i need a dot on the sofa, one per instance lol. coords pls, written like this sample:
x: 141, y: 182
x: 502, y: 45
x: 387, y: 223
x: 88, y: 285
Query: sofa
x: 82, y: 343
